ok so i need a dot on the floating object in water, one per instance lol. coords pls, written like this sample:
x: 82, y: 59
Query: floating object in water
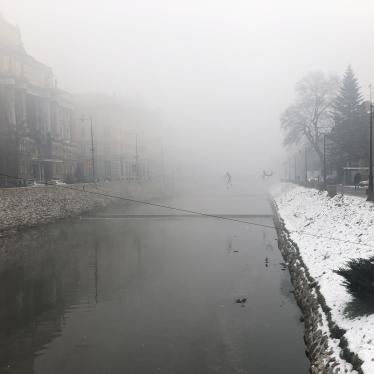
x: 241, y: 300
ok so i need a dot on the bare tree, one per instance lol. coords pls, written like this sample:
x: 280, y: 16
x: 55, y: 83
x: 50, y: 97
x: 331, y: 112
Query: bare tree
x: 311, y: 113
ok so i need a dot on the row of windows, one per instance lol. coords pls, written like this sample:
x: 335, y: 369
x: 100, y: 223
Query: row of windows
x: 63, y: 152
x: 38, y: 77
x: 40, y: 115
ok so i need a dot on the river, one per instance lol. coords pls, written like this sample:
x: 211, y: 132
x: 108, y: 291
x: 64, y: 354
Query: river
x: 139, y: 290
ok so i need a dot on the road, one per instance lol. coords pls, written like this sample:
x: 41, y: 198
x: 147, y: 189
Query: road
x: 137, y: 290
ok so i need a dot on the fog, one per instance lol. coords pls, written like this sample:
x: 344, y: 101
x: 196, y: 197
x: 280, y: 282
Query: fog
x: 217, y: 74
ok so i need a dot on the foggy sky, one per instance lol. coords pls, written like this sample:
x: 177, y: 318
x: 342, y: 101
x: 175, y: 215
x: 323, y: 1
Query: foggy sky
x: 218, y: 72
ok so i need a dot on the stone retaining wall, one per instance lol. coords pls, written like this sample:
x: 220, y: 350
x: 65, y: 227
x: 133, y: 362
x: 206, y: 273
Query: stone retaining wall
x: 31, y: 206
x: 319, y: 328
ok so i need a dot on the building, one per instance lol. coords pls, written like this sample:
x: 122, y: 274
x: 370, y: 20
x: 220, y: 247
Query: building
x: 36, y: 118
x: 118, y: 142
x: 46, y: 133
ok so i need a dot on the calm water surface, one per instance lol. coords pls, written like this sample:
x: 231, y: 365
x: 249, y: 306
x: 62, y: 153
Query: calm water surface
x: 109, y: 294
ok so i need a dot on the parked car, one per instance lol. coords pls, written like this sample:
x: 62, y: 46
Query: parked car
x: 364, y: 184
x: 56, y: 182
x: 36, y: 184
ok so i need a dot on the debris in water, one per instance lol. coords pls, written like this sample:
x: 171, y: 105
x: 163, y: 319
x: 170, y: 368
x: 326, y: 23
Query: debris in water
x: 241, y: 300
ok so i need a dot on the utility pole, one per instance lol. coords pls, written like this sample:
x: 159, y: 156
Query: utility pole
x: 164, y: 181
x: 136, y: 158
x: 92, y: 153
x: 306, y: 165
x: 92, y: 147
x: 295, y: 170
x: 324, y: 162
x: 370, y: 190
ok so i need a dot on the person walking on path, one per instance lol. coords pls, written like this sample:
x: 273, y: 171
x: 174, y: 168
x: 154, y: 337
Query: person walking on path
x: 228, y: 180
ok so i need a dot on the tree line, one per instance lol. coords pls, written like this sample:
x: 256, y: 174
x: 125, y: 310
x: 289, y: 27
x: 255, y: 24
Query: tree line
x: 328, y: 106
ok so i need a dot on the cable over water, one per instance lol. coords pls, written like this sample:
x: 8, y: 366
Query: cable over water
x: 115, y: 195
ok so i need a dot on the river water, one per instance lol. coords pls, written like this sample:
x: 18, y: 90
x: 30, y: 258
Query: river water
x: 136, y: 290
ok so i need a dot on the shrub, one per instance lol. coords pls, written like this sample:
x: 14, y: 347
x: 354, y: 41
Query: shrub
x: 358, y: 277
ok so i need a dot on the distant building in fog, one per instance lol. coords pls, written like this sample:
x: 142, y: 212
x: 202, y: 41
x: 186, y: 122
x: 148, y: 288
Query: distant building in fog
x: 45, y: 132
x: 118, y: 149
x: 36, y: 118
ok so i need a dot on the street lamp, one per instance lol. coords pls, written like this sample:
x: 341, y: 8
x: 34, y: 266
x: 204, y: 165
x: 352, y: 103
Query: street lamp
x: 324, y: 162
x: 134, y: 133
x: 324, y: 131
x: 92, y: 148
x: 370, y: 189
x: 306, y: 165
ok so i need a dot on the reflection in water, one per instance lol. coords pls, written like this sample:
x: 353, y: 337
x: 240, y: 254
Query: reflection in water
x: 229, y: 245
x: 119, y: 296
x: 41, y: 272
x: 37, y: 282
x: 138, y: 247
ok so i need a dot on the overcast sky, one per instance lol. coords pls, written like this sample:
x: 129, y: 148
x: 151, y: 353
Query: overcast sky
x: 219, y: 72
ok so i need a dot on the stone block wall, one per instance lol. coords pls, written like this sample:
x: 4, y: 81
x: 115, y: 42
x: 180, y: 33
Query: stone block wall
x: 31, y: 206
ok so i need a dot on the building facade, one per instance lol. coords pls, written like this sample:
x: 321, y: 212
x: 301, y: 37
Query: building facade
x: 36, y: 118
x: 47, y: 134
x: 117, y: 141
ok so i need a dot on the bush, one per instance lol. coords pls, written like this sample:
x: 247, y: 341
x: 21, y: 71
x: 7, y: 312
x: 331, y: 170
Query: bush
x: 359, y: 279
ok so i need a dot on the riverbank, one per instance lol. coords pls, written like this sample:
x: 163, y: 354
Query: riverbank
x: 317, y: 235
x: 32, y: 206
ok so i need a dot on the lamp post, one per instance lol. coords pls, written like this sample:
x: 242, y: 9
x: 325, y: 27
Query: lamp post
x: 136, y: 158
x: 324, y: 162
x: 92, y: 148
x: 325, y: 132
x: 370, y: 189
x: 92, y: 152
x: 135, y: 166
x: 306, y: 166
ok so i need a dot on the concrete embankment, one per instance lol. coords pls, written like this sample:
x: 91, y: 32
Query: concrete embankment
x: 31, y: 206
x: 326, y: 346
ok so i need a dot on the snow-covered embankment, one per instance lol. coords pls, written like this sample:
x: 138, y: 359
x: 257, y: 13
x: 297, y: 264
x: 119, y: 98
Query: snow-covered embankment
x: 326, y: 233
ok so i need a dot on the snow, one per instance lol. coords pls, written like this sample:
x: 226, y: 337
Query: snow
x: 333, y: 346
x: 329, y: 232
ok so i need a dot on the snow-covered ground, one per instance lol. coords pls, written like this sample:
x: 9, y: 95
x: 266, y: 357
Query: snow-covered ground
x: 329, y: 232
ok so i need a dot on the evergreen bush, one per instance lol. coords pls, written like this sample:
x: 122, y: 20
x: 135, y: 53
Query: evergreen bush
x: 358, y: 277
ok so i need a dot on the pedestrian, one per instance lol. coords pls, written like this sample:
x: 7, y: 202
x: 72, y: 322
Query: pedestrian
x: 228, y: 180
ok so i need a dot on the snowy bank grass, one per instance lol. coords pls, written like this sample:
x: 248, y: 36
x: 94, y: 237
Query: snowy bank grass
x: 330, y: 232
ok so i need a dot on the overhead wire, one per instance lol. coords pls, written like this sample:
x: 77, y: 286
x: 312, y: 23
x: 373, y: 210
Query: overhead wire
x: 194, y: 212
